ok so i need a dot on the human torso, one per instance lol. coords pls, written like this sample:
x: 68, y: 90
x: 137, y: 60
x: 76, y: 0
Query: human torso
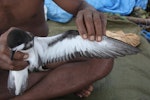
x: 24, y: 14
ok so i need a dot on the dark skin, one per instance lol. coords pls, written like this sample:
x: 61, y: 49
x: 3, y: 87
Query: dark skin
x: 64, y: 78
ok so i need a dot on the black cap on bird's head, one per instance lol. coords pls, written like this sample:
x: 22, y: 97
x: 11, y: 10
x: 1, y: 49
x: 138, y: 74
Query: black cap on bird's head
x: 18, y: 39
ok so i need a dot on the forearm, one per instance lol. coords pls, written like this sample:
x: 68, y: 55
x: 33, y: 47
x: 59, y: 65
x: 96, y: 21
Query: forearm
x: 73, y: 6
x: 85, y: 5
x: 68, y: 78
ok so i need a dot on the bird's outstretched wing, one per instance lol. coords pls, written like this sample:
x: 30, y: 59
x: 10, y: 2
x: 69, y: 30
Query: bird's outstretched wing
x: 70, y: 45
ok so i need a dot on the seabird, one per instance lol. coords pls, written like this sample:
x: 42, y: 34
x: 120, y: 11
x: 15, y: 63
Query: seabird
x: 62, y: 47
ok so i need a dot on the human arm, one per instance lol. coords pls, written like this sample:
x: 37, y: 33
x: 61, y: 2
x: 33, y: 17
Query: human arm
x: 90, y: 23
x: 49, y: 84
x: 66, y: 78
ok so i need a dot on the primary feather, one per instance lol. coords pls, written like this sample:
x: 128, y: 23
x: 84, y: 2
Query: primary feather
x: 58, y: 48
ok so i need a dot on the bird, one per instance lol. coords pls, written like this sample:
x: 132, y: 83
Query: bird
x: 65, y: 46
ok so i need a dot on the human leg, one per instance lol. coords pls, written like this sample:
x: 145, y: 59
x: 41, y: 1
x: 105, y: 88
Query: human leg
x: 68, y: 78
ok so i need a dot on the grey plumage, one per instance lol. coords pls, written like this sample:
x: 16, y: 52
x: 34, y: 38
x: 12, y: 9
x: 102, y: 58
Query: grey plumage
x: 62, y: 47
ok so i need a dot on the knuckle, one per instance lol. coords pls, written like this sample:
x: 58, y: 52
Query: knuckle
x: 81, y: 12
x: 3, y: 51
x: 97, y: 22
x: 12, y: 68
x: 78, y: 19
x: 96, y: 17
x: 81, y: 32
x: 91, y: 29
x: 88, y: 17
x: 18, y: 55
x: 103, y: 19
x: 102, y: 15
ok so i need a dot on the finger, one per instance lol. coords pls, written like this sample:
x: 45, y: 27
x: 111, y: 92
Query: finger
x: 19, y: 64
x: 4, y: 49
x: 5, y: 66
x: 5, y: 34
x: 88, y: 19
x: 104, y: 23
x: 98, y: 26
x: 79, y: 94
x: 80, y: 25
x: 20, y: 56
x: 90, y: 88
x: 86, y: 93
x: 5, y: 59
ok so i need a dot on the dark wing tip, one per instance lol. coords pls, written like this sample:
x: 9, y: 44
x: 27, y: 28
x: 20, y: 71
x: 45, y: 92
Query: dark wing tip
x: 121, y: 47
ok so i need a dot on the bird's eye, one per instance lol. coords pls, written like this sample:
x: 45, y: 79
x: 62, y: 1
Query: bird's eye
x: 28, y: 45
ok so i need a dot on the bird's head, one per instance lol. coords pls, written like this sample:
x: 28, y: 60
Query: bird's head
x: 18, y: 39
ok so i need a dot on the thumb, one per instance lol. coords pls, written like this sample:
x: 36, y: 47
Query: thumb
x: 20, y: 55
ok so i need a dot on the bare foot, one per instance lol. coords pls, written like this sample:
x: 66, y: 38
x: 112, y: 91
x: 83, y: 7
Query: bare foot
x: 85, y: 92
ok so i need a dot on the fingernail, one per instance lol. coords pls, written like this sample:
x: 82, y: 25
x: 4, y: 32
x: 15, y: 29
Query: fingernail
x: 99, y: 38
x: 92, y: 38
x: 85, y: 36
x: 25, y: 56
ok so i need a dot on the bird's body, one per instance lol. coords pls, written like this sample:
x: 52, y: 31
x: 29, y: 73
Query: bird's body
x: 62, y: 47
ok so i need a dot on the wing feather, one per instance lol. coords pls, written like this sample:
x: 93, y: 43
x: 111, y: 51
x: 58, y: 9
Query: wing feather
x: 70, y: 48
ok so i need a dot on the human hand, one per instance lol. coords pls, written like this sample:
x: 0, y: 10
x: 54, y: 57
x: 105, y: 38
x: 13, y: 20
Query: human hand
x: 6, y: 63
x: 91, y: 24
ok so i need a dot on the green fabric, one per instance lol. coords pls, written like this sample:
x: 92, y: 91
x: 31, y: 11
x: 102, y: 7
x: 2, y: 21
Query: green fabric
x: 130, y: 77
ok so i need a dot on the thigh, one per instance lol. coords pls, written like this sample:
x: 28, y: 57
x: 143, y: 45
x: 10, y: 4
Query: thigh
x: 36, y: 77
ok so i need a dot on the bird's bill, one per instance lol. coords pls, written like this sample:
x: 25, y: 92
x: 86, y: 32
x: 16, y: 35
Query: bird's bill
x: 12, y: 54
